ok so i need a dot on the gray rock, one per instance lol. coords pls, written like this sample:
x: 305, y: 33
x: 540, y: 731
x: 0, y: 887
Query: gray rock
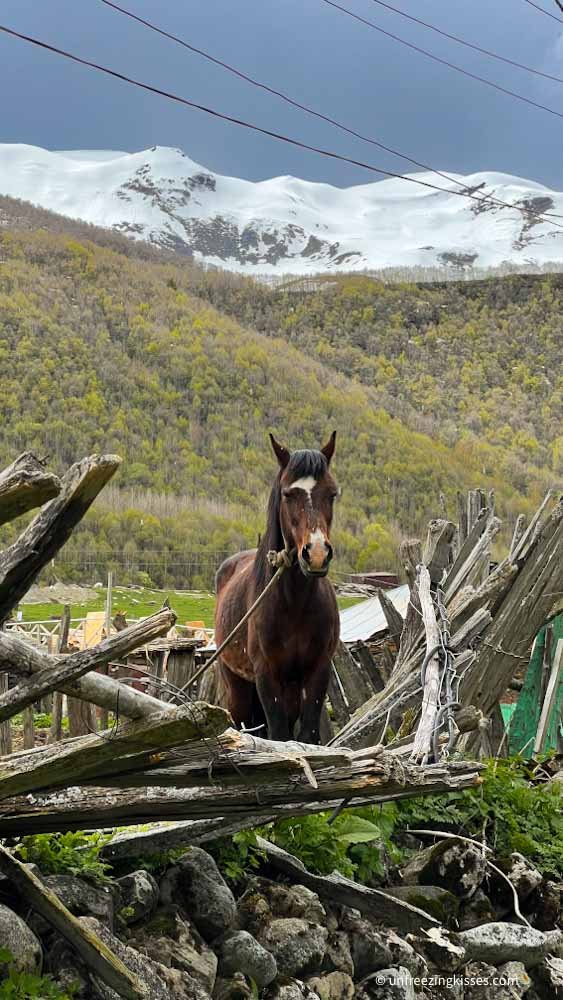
x: 197, y: 885
x: 503, y: 942
x: 161, y: 983
x: 547, y: 906
x: 240, y: 952
x: 265, y: 900
x: 387, y: 984
x: 237, y: 987
x: 433, y: 899
x: 476, y: 910
x: 441, y: 948
x: 298, y: 946
x: 548, y: 978
x: 485, y: 982
x: 171, y: 940
x: 20, y: 941
x: 290, y: 989
x: 333, y: 986
x: 374, y: 949
x: 338, y: 955
x: 453, y: 865
x: 82, y: 898
x: 139, y: 896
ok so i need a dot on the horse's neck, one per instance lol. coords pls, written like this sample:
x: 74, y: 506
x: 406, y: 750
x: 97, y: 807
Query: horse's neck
x: 296, y: 589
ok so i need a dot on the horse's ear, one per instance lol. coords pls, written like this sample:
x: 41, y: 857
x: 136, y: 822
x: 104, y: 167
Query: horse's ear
x: 328, y: 450
x: 281, y: 453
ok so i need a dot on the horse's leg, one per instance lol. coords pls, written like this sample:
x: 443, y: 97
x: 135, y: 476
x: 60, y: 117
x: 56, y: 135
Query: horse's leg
x: 314, y: 692
x: 273, y: 701
x: 240, y: 697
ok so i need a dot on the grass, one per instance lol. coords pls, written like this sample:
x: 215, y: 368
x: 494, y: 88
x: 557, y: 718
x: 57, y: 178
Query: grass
x: 188, y: 605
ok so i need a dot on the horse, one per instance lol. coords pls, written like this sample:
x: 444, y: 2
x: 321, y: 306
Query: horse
x: 276, y: 670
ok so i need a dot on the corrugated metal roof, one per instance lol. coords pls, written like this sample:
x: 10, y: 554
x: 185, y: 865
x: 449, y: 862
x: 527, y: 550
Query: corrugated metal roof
x: 363, y: 620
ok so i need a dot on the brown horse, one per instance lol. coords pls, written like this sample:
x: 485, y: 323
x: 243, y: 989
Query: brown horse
x: 276, y: 670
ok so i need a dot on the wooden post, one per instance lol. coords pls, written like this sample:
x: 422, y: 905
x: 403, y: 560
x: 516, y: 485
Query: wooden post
x: 423, y: 739
x: 5, y: 727
x: 103, y: 713
x: 28, y: 730
x: 56, y: 732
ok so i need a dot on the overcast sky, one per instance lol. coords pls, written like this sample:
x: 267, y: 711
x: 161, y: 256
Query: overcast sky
x: 312, y: 52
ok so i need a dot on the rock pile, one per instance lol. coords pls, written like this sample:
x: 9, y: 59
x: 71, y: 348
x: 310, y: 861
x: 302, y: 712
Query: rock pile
x: 189, y: 938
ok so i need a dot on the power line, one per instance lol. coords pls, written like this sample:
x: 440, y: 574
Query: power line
x: 288, y: 99
x: 444, y: 62
x: 302, y: 107
x: 469, y: 45
x: 544, y: 11
x: 257, y: 128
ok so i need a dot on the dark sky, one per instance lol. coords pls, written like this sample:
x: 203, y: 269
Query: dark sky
x: 314, y: 53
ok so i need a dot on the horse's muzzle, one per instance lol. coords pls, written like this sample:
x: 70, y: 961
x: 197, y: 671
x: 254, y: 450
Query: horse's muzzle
x: 310, y: 563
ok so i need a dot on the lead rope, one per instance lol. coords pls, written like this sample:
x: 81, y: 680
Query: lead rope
x: 280, y: 561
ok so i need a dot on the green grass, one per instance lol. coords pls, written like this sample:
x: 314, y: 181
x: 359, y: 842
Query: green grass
x: 189, y: 606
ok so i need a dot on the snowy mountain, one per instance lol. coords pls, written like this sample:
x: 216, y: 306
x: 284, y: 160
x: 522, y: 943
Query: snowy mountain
x: 287, y: 225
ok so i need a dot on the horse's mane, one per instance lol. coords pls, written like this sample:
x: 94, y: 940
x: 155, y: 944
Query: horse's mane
x: 301, y: 463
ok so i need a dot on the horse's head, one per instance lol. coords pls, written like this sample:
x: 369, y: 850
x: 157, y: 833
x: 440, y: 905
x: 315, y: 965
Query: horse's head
x: 307, y: 493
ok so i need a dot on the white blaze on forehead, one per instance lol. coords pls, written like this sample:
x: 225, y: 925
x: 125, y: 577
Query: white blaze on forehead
x: 306, y: 483
x: 317, y: 536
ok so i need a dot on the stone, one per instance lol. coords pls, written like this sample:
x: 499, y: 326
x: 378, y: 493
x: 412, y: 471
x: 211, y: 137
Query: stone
x: 171, y: 940
x: 139, y: 896
x: 503, y: 942
x: 453, y: 865
x: 241, y: 952
x: 333, y: 986
x: 433, y: 899
x: 263, y: 900
x: 290, y: 989
x: 161, y: 983
x: 548, y: 978
x: 17, y: 938
x: 485, y: 982
x: 338, y: 955
x: 387, y: 984
x: 237, y: 987
x: 546, y: 905
x: 522, y: 875
x: 476, y: 910
x: 374, y: 949
x: 441, y: 948
x: 82, y: 898
x: 298, y: 946
x: 196, y: 884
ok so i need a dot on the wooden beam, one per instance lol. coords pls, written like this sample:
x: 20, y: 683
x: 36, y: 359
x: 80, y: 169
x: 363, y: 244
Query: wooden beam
x: 423, y: 738
x: 393, y: 617
x: 51, y: 528
x: 437, y: 552
x: 25, y: 484
x: 98, y: 957
x: 67, y: 669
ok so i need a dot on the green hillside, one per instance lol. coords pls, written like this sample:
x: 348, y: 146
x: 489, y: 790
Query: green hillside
x: 104, y: 348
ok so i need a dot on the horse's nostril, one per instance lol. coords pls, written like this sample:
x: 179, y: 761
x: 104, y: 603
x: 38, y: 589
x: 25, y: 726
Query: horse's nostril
x: 329, y: 552
x: 306, y: 552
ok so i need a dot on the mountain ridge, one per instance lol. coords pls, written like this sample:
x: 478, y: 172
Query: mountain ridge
x: 286, y: 225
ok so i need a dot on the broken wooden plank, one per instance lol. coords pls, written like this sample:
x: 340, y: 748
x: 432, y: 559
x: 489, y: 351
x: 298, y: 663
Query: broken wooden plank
x: 98, y: 957
x: 423, y: 736
x: 437, y: 552
x: 88, y: 756
x: 25, y: 484
x: 375, y: 904
x: 393, y: 617
x: 366, y: 780
x: 69, y: 668
x: 51, y: 528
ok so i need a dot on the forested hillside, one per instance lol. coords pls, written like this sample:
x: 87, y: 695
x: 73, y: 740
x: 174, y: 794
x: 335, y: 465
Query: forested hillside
x: 431, y: 390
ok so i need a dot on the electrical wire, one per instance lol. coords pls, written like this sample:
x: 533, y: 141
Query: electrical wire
x: 330, y: 154
x: 544, y: 11
x: 297, y: 104
x: 444, y: 62
x: 469, y: 45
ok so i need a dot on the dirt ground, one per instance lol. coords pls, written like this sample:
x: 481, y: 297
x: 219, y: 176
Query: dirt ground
x: 59, y: 593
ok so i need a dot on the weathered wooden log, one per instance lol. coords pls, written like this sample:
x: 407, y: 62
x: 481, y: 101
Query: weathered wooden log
x: 51, y: 528
x: 374, y: 904
x: 534, y: 597
x: 25, y: 484
x: 5, y: 727
x: 366, y: 780
x: 393, y: 617
x: 437, y: 552
x: 356, y: 686
x: 94, y: 755
x: 56, y: 730
x: 98, y: 957
x: 423, y: 736
x: 69, y: 668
